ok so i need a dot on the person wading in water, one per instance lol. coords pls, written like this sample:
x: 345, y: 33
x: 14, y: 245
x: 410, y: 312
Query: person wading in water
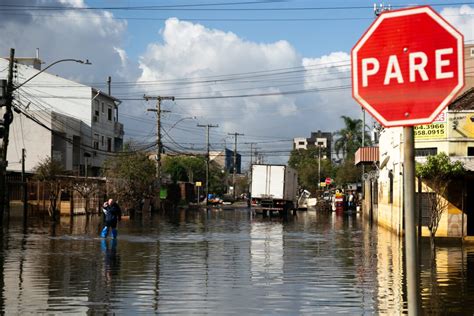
x: 112, y: 214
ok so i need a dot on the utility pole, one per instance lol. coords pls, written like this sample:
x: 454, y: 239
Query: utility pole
x: 363, y: 145
x: 235, y: 160
x: 159, y: 146
x: 319, y: 166
x: 24, y: 184
x: 207, y: 126
x: 7, y: 120
x: 251, y: 154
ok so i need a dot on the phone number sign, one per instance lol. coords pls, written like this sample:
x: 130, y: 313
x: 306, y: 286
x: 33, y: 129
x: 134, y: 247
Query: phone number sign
x: 431, y: 131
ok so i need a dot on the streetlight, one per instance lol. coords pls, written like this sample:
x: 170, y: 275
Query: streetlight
x: 180, y: 120
x: 86, y: 62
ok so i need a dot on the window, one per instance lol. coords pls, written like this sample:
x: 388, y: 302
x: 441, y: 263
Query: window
x: 424, y: 152
x: 103, y: 107
x: 109, y: 113
x: 470, y: 151
x: 472, y: 51
x: 300, y: 143
x: 102, y: 141
x: 96, y: 141
x: 96, y: 107
x: 109, y: 144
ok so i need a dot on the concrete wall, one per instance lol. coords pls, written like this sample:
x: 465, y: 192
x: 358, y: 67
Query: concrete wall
x: 37, y: 140
x: 300, y: 143
x: 390, y: 192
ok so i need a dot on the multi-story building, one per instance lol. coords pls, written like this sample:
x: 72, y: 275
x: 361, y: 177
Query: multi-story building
x: 225, y: 159
x: 317, y: 139
x: 71, y: 122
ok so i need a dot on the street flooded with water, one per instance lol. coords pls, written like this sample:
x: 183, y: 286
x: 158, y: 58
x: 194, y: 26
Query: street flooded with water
x: 224, y: 262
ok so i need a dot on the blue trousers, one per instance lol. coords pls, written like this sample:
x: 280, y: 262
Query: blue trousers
x: 105, y: 232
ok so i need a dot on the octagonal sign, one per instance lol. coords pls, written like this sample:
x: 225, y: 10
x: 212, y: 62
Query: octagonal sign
x: 407, y: 67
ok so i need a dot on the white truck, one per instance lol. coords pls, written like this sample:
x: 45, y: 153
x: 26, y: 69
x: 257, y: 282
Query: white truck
x: 274, y: 188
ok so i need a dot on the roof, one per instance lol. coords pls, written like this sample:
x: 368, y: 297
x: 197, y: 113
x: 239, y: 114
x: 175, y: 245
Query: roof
x: 94, y: 90
x: 464, y: 101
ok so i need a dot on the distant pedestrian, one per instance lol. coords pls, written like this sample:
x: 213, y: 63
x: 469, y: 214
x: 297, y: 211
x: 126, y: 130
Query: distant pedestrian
x: 351, y: 201
x: 112, y: 214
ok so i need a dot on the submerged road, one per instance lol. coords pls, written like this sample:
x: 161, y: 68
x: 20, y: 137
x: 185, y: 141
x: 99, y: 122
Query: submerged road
x: 223, y: 261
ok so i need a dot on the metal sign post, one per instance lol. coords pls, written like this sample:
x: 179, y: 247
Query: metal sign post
x: 410, y: 231
x: 406, y: 69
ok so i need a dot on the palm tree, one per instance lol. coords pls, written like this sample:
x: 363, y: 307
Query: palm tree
x: 350, y: 137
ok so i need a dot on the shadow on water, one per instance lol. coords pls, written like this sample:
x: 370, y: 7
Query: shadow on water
x: 220, y: 261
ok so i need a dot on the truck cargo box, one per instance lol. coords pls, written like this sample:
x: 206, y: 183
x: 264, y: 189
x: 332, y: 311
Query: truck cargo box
x: 274, y: 182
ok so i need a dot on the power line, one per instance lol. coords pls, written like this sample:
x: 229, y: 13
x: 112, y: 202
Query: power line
x: 208, y: 7
x: 207, y: 126
x: 138, y: 8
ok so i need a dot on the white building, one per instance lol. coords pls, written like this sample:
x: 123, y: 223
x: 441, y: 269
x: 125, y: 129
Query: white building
x: 319, y: 139
x: 60, y: 118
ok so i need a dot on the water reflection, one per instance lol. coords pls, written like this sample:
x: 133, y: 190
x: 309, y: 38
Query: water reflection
x: 218, y: 262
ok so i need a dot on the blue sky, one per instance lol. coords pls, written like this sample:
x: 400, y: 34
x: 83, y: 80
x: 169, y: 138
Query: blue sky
x: 336, y: 29
x: 186, y: 53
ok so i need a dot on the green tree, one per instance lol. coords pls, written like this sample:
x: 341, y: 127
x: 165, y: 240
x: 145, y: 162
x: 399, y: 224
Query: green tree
x: 350, y: 137
x: 347, y: 172
x: 49, y: 171
x: 218, y: 179
x: 87, y: 188
x: 438, y: 171
x: 185, y: 168
x: 130, y: 177
x: 306, y: 162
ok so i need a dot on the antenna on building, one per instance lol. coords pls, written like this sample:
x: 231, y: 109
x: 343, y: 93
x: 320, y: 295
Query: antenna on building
x: 381, y: 8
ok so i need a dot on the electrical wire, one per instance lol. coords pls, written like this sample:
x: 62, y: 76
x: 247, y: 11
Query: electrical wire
x: 18, y: 107
x: 207, y: 7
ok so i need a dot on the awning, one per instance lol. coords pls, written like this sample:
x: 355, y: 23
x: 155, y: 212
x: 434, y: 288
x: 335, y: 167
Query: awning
x: 367, y: 155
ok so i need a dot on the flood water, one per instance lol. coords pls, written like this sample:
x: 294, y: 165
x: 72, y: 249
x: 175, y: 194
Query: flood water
x: 223, y: 262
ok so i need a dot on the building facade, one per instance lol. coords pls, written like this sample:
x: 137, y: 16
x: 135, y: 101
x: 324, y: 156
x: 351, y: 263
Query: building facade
x: 453, y: 134
x: 225, y: 159
x: 317, y: 139
x: 59, y: 118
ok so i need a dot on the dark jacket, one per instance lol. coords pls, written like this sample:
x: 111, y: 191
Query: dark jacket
x: 112, y: 213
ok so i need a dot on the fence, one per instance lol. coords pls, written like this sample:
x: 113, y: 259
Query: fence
x: 72, y: 201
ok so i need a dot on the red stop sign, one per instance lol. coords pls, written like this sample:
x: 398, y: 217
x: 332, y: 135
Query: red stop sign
x: 407, y: 67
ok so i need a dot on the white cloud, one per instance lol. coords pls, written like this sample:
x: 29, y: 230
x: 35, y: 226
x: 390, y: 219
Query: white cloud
x: 92, y: 35
x: 189, y: 50
x: 461, y: 18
